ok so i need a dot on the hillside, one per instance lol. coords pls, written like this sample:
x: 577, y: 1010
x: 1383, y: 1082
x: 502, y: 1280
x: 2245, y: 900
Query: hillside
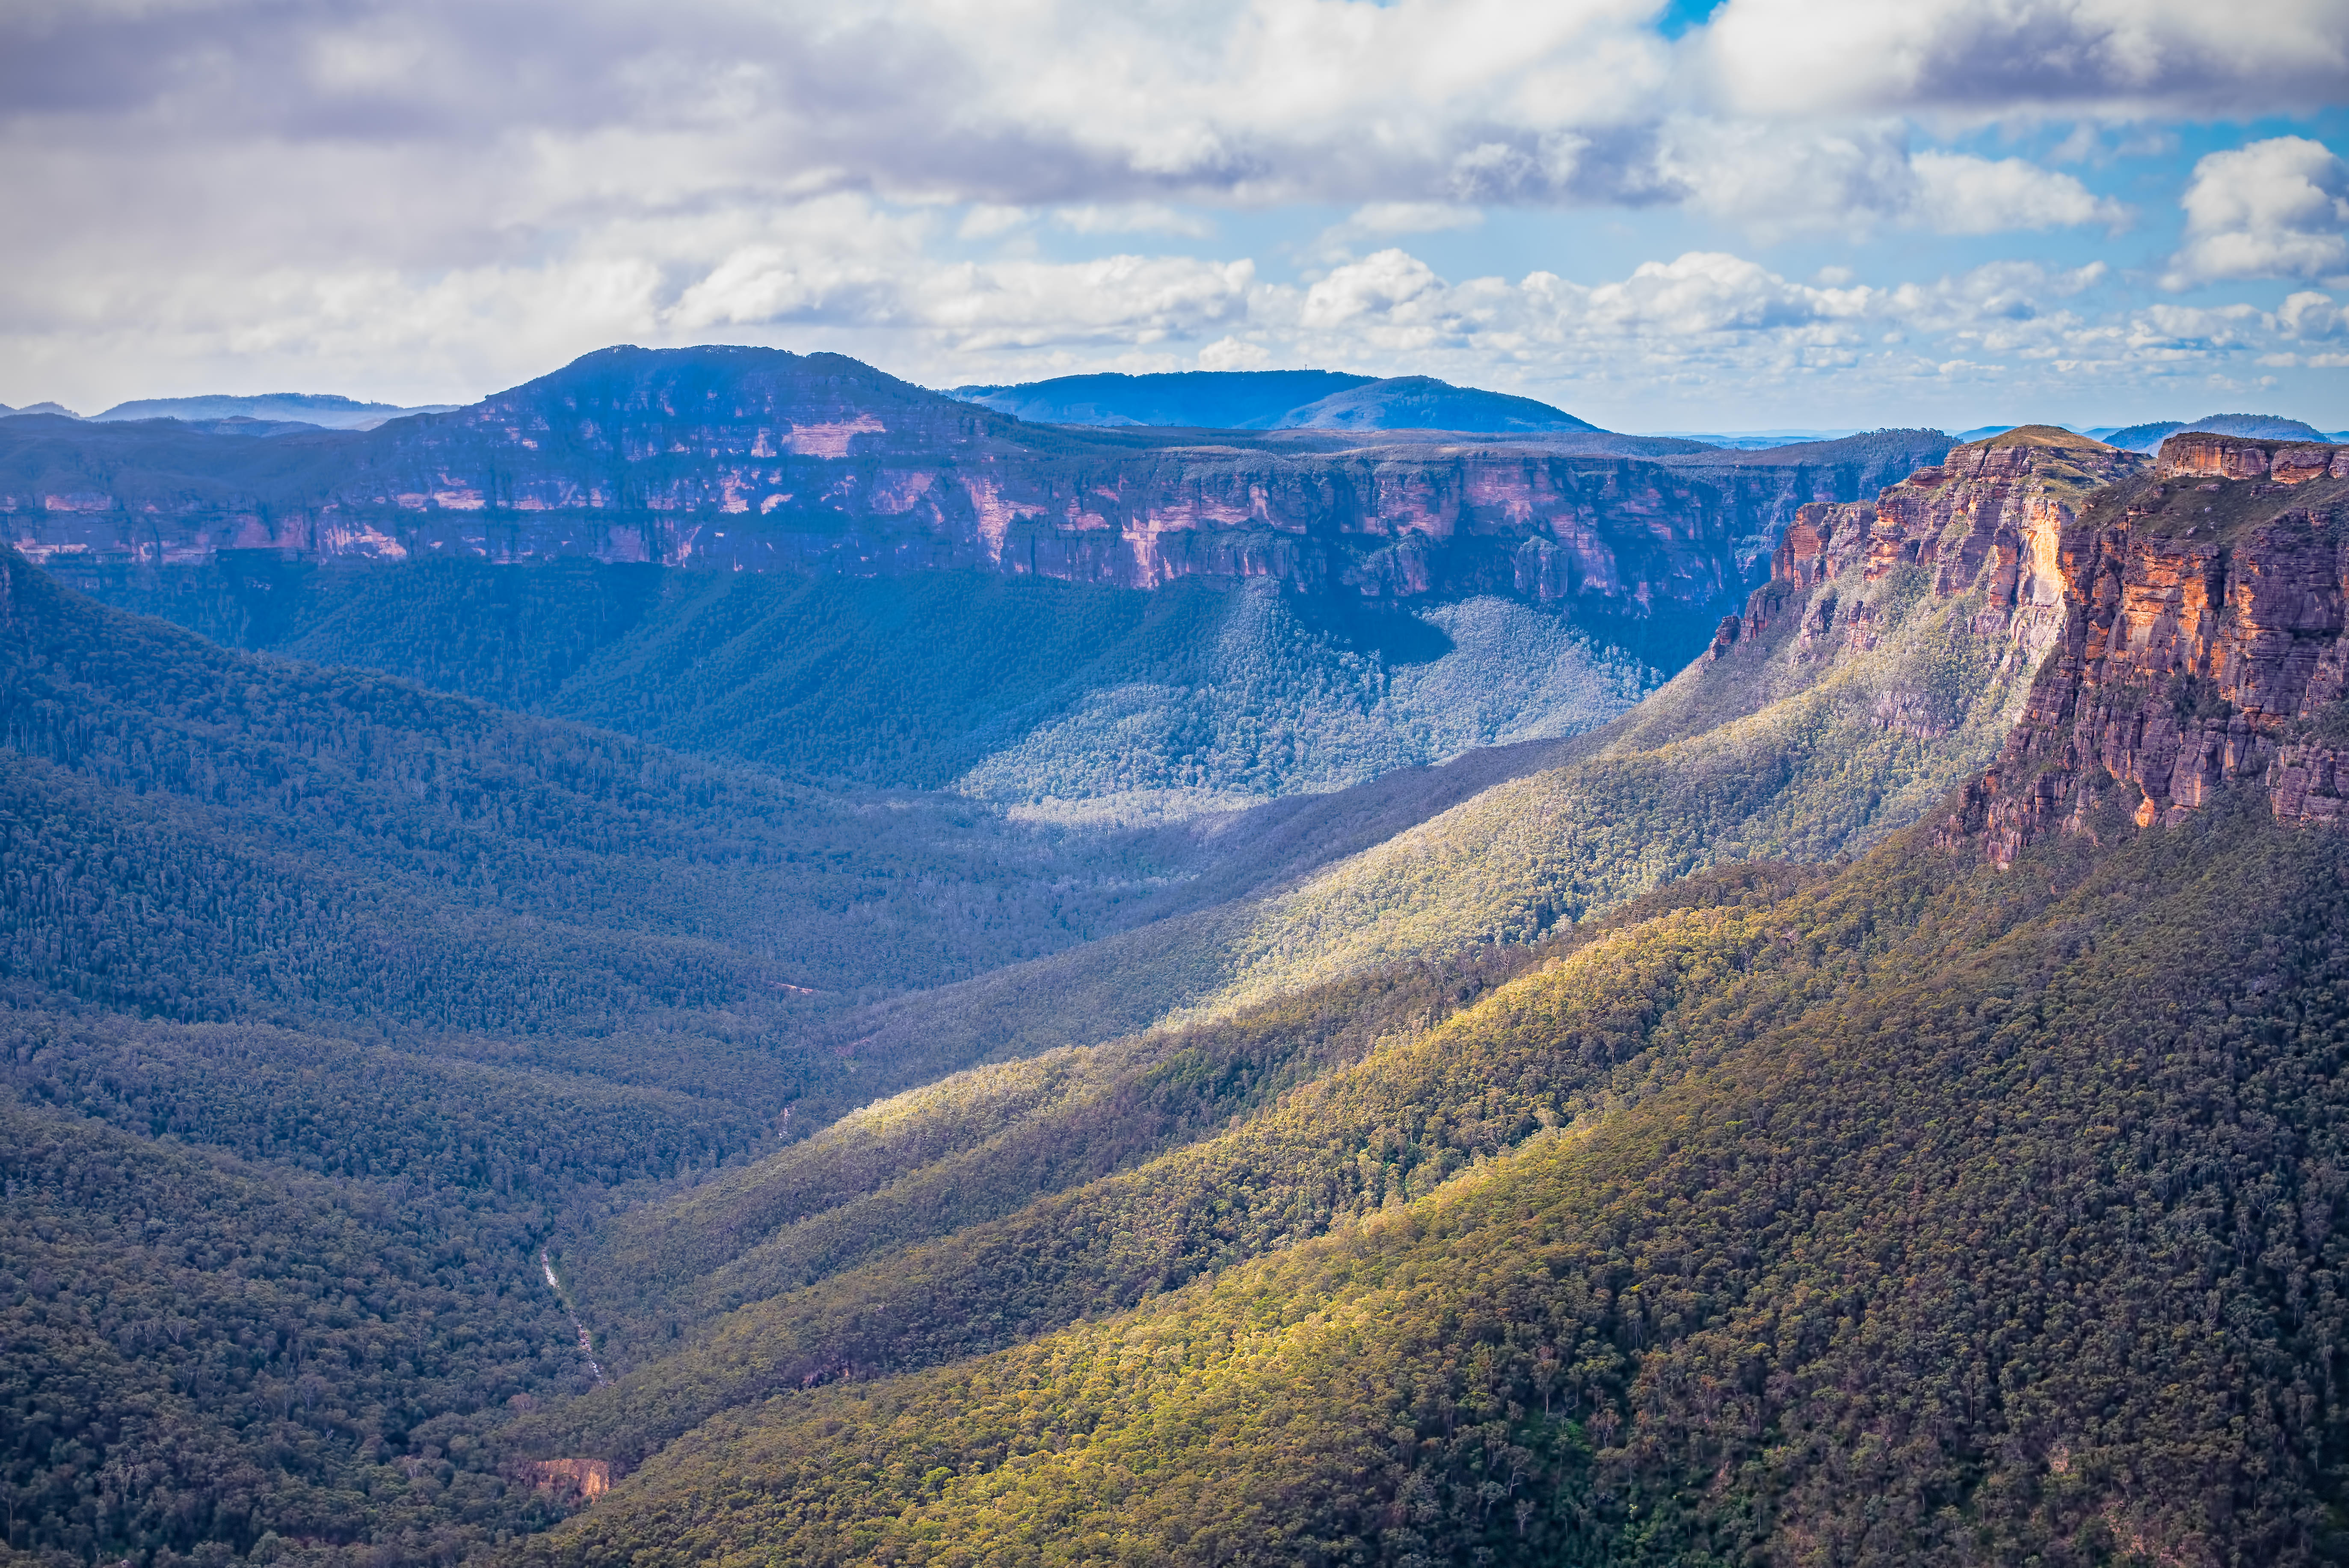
x: 1197, y: 399
x: 943, y: 619
x: 324, y: 999
x: 1884, y: 665
x: 207, y: 834
x: 1424, y: 403
x: 1839, y: 1212
x: 1017, y: 690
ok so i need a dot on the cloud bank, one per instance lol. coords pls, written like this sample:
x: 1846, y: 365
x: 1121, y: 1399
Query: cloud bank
x: 432, y: 199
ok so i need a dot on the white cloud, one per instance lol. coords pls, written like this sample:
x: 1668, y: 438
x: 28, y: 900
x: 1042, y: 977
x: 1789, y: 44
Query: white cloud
x: 2311, y: 315
x: 989, y: 220
x: 1233, y: 354
x: 1705, y: 291
x: 1775, y: 181
x: 431, y: 199
x: 1999, y: 59
x: 1134, y: 218
x: 2275, y: 209
x: 1962, y: 195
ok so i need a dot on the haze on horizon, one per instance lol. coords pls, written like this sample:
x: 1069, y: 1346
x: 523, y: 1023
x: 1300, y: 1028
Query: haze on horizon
x: 1754, y: 213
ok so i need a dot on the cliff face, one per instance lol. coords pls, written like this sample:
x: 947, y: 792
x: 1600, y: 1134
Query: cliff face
x: 1988, y: 517
x: 751, y: 459
x: 2200, y: 640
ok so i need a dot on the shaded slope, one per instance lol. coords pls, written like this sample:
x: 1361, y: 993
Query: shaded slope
x: 1881, y: 666
x: 204, y: 1356
x: 338, y: 845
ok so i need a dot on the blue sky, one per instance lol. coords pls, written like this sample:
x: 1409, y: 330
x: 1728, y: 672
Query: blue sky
x: 1757, y: 214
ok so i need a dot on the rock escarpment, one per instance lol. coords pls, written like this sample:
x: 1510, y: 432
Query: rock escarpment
x: 2200, y: 642
x: 756, y: 460
x: 737, y: 459
x: 1987, y: 518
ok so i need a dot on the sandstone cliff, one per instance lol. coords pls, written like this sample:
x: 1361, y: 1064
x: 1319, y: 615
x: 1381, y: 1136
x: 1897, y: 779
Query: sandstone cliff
x: 751, y: 459
x: 2200, y: 640
x: 1988, y: 517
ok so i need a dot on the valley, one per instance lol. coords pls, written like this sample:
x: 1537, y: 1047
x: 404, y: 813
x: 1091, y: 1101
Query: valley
x: 719, y: 957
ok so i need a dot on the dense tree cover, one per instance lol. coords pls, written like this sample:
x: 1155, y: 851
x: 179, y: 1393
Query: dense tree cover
x: 1013, y: 688
x: 1896, y: 1210
x: 262, y: 807
x: 987, y: 1141
x: 374, y: 1113
x: 1941, y: 1214
x: 205, y: 1359
x: 1794, y: 748
x: 1328, y: 1137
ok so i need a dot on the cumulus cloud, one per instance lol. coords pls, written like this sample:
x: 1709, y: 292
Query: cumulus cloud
x: 2312, y: 315
x: 1048, y: 103
x: 436, y: 197
x: 2004, y: 58
x: 1856, y: 177
x: 2275, y: 209
x: 1962, y: 195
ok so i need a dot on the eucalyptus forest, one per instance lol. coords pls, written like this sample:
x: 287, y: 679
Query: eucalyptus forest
x: 1517, y: 997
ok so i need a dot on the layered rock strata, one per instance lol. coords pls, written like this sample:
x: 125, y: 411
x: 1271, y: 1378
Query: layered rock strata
x: 2201, y: 641
x: 754, y: 460
x: 1987, y: 519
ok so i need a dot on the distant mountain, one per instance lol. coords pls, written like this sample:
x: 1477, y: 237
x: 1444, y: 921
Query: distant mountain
x: 243, y: 424
x: 2257, y: 427
x: 724, y: 459
x: 58, y: 409
x: 1424, y: 403
x: 323, y: 410
x: 1755, y: 441
x: 1201, y: 399
x: 1275, y: 400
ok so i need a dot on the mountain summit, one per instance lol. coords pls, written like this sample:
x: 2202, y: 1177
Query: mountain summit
x: 1275, y: 400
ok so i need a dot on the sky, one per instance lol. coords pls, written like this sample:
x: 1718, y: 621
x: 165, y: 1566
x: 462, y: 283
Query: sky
x: 1687, y: 216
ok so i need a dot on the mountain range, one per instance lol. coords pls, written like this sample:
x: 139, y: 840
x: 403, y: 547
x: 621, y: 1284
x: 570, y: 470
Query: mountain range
x: 279, y: 413
x: 721, y: 957
x: 746, y: 522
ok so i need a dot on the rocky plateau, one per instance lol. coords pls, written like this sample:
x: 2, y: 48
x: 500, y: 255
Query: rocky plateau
x: 735, y: 459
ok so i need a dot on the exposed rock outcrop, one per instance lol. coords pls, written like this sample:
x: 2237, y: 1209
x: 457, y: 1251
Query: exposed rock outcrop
x: 1988, y: 517
x: 571, y: 1480
x: 2201, y: 641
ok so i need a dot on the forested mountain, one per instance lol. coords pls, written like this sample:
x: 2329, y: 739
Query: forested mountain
x: 1011, y: 689
x: 740, y: 460
x: 1273, y: 400
x: 803, y: 563
x: 1918, y: 1211
x: 1195, y: 399
x: 748, y: 1040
